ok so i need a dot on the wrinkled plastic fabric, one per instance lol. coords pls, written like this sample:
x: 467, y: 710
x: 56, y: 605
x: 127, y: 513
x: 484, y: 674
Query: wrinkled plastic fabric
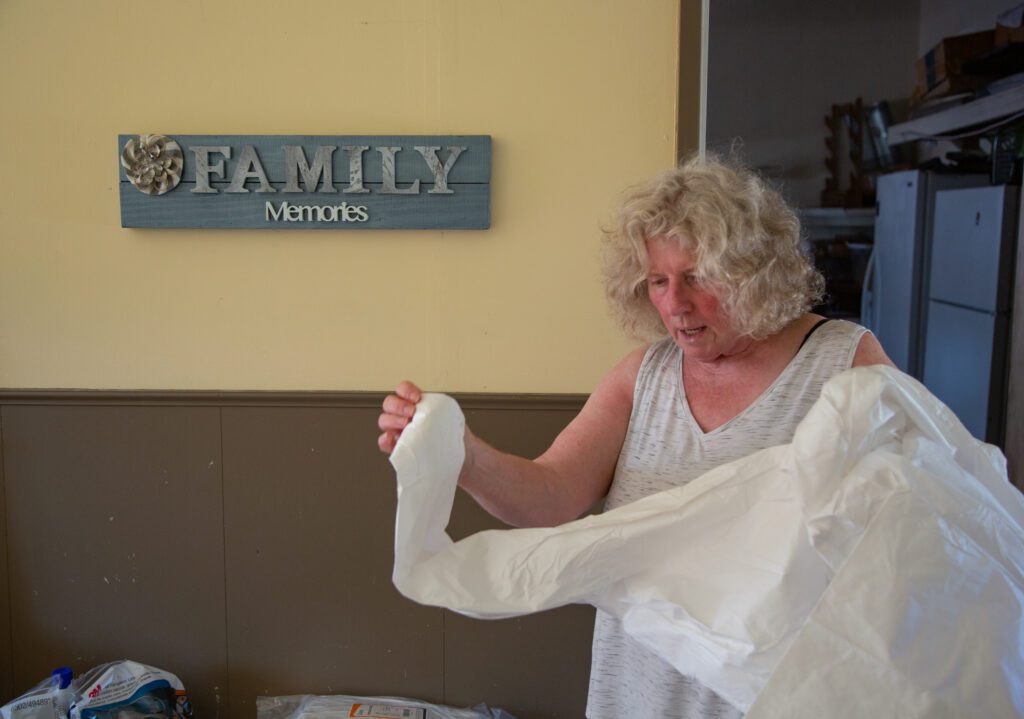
x: 874, y: 566
x: 311, y: 706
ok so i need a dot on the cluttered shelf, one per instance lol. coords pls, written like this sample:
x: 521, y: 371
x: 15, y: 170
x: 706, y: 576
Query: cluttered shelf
x: 966, y: 116
x: 966, y: 120
x: 969, y: 101
x: 823, y: 222
x: 1005, y: 100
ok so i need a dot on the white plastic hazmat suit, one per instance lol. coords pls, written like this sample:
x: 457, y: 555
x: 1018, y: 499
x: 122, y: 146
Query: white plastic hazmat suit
x: 873, y: 567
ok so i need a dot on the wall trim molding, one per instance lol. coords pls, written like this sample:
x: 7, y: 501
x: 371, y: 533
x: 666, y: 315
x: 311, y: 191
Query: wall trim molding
x: 274, y: 398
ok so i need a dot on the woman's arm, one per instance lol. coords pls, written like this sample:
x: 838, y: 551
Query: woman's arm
x: 561, y: 484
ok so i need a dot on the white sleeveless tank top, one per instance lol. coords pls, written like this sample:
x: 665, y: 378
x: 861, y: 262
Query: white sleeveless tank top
x: 665, y: 448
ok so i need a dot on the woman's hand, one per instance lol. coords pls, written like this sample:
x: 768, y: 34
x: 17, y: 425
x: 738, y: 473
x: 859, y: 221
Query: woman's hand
x: 398, y: 410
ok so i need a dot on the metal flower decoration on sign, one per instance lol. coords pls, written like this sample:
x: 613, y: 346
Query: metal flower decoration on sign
x: 153, y: 163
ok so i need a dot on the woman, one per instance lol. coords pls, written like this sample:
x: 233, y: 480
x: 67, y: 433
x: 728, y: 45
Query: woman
x: 706, y: 259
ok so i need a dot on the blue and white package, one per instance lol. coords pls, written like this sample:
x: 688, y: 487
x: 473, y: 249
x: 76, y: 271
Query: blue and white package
x: 127, y: 690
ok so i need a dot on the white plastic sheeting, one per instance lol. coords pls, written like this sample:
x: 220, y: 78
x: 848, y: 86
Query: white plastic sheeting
x: 872, y: 567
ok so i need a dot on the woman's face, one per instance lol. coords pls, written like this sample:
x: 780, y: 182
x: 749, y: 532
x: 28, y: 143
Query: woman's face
x: 691, y: 313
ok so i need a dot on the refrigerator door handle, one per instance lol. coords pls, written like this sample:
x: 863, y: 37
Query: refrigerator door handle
x: 868, y: 301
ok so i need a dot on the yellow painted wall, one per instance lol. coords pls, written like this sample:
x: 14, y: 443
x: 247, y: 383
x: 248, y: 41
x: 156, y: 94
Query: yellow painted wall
x: 578, y: 95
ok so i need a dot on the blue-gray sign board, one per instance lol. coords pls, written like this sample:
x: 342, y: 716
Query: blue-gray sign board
x: 347, y: 182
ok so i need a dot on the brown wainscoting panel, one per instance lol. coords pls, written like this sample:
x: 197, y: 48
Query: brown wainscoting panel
x: 6, y: 661
x: 244, y: 541
x: 309, y: 519
x: 535, y: 667
x: 115, y: 541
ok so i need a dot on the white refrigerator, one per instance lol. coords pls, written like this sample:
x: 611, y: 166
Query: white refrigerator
x: 969, y: 302
x: 894, y: 298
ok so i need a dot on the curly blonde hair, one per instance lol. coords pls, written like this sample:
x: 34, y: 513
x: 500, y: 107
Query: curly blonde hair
x: 744, y: 238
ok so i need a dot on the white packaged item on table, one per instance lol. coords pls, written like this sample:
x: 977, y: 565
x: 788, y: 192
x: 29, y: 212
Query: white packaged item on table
x: 873, y: 566
x: 310, y: 706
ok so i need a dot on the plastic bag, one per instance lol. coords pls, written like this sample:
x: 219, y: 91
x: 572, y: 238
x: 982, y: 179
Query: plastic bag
x: 803, y: 580
x: 118, y: 690
x: 337, y: 706
x: 50, y: 699
x: 125, y: 689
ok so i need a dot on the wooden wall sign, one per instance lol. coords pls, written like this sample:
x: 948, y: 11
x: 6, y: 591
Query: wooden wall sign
x: 306, y: 181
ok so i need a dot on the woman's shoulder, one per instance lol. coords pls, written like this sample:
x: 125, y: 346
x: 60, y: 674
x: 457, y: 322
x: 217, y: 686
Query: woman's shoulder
x: 625, y: 374
x: 868, y: 349
x: 854, y: 341
x: 870, y: 352
x: 828, y: 329
x: 847, y: 327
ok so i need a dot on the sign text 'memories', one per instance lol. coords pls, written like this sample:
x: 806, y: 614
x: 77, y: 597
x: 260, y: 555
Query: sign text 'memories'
x: 321, y: 173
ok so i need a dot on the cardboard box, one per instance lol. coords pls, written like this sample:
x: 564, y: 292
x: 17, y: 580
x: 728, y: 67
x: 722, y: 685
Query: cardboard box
x: 1007, y: 35
x: 945, y: 61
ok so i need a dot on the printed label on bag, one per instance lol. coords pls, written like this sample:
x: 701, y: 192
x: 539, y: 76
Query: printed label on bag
x: 384, y: 711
